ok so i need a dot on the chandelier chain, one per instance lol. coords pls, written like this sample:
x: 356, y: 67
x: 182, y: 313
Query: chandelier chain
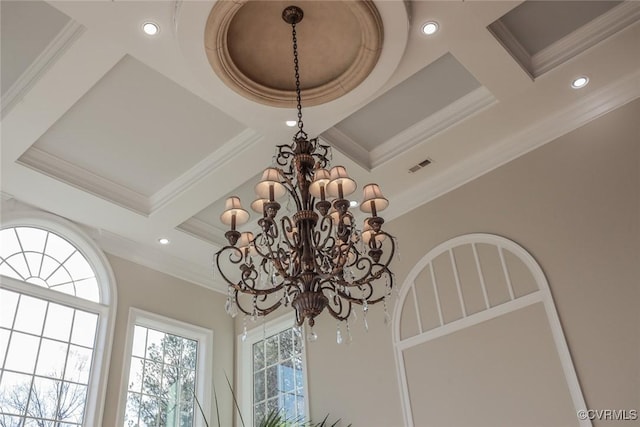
x: 297, y: 74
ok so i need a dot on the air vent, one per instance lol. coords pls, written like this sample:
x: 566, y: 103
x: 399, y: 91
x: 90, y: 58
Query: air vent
x: 422, y: 164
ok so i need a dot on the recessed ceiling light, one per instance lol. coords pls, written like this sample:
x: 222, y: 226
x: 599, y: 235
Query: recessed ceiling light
x: 150, y: 28
x: 429, y: 28
x: 580, y: 82
x: 163, y: 241
x: 291, y: 123
x: 353, y: 203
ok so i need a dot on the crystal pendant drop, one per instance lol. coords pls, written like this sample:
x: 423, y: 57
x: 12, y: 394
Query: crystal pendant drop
x: 339, y: 335
x: 365, y: 306
x: 349, y: 337
x: 312, y: 336
x: 366, y: 324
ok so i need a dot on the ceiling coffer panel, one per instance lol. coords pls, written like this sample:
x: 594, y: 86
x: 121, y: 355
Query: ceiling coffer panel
x: 135, y: 132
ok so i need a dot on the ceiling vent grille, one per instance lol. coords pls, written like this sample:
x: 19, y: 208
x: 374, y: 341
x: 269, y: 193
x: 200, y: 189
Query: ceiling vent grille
x: 422, y: 164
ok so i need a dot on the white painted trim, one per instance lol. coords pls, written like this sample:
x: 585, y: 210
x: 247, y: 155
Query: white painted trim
x: 203, y: 336
x: 244, y: 363
x: 572, y: 117
x: 203, y: 230
x: 543, y: 295
x: 585, y: 37
x: 462, y: 108
x: 85, y: 180
x: 348, y: 146
x: 452, y: 114
x: 106, y: 310
x: 159, y: 260
x: 54, y: 50
x: 232, y: 148
x: 512, y: 45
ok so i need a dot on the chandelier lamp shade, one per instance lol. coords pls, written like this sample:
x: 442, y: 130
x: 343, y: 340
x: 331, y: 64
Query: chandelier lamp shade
x: 313, y: 257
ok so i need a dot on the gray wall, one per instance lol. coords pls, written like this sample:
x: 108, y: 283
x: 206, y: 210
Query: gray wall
x: 574, y: 205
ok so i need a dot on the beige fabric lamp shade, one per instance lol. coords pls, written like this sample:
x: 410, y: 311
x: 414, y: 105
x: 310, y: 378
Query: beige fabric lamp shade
x: 321, y: 178
x: 234, y: 214
x: 341, y: 184
x: 258, y: 205
x: 270, y: 187
x: 373, y: 200
x: 245, y: 242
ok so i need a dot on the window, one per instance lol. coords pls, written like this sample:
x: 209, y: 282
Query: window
x: 272, y: 371
x: 169, y: 365
x: 55, y: 317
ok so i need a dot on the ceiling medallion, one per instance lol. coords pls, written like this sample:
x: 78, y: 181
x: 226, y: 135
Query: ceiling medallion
x: 250, y: 52
x: 317, y: 258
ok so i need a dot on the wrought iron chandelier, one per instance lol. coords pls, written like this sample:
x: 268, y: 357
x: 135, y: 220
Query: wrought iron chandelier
x: 316, y: 258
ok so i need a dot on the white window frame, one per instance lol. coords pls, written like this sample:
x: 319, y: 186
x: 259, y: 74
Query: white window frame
x: 244, y: 372
x: 203, y: 336
x: 106, y: 309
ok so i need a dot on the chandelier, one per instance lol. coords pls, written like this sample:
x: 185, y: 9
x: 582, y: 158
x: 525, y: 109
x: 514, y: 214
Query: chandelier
x: 316, y: 258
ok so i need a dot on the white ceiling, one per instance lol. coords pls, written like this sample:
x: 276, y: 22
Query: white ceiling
x: 136, y: 138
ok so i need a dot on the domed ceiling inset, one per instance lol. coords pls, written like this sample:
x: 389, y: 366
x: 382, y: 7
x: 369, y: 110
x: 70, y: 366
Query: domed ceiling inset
x: 249, y: 46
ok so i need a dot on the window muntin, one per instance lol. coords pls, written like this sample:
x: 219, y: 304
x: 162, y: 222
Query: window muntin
x: 278, y: 375
x: 46, y: 352
x: 43, y: 258
x: 162, y: 379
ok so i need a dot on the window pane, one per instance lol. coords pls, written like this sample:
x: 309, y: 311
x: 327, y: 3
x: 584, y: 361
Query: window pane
x: 78, y: 365
x: 286, y: 344
x: 78, y: 266
x: 44, y: 398
x: 135, y: 374
x: 88, y: 289
x: 30, y: 316
x: 9, y: 243
x: 8, y: 305
x: 72, y: 402
x: 271, y: 350
x: 258, y: 386
x: 58, y: 248
x: 22, y: 353
x: 189, y: 354
x: 272, y: 381
x: 258, y: 356
x: 172, y: 347
x: 58, y: 323
x: 4, y: 341
x: 52, y: 360
x: 151, y: 381
x: 154, y: 345
x: 19, y: 265
x: 14, y: 391
x: 32, y: 239
x: 139, y: 340
x: 84, y: 328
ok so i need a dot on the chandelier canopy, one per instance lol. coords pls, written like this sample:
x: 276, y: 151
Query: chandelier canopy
x: 316, y: 258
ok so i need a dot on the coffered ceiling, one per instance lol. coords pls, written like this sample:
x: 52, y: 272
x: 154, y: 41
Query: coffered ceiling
x: 137, y: 137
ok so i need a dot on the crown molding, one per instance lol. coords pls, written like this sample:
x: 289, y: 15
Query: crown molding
x: 85, y: 180
x: 54, y: 50
x: 568, y: 119
x: 585, y: 37
x: 157, y: 260
x: 572, y: 44
x: 204, y: 231
x: 457, y: 111
x: 347, y: 146
x: 232, y: 148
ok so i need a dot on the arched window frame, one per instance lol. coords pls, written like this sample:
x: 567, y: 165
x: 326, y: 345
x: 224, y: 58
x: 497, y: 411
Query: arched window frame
x: 105, y: 309
x: 541, y: 295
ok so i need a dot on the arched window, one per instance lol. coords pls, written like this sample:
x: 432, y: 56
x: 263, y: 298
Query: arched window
x: 57, y: 308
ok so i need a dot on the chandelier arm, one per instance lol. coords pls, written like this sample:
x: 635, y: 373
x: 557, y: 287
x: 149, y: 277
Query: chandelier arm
x: 337, y: 313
